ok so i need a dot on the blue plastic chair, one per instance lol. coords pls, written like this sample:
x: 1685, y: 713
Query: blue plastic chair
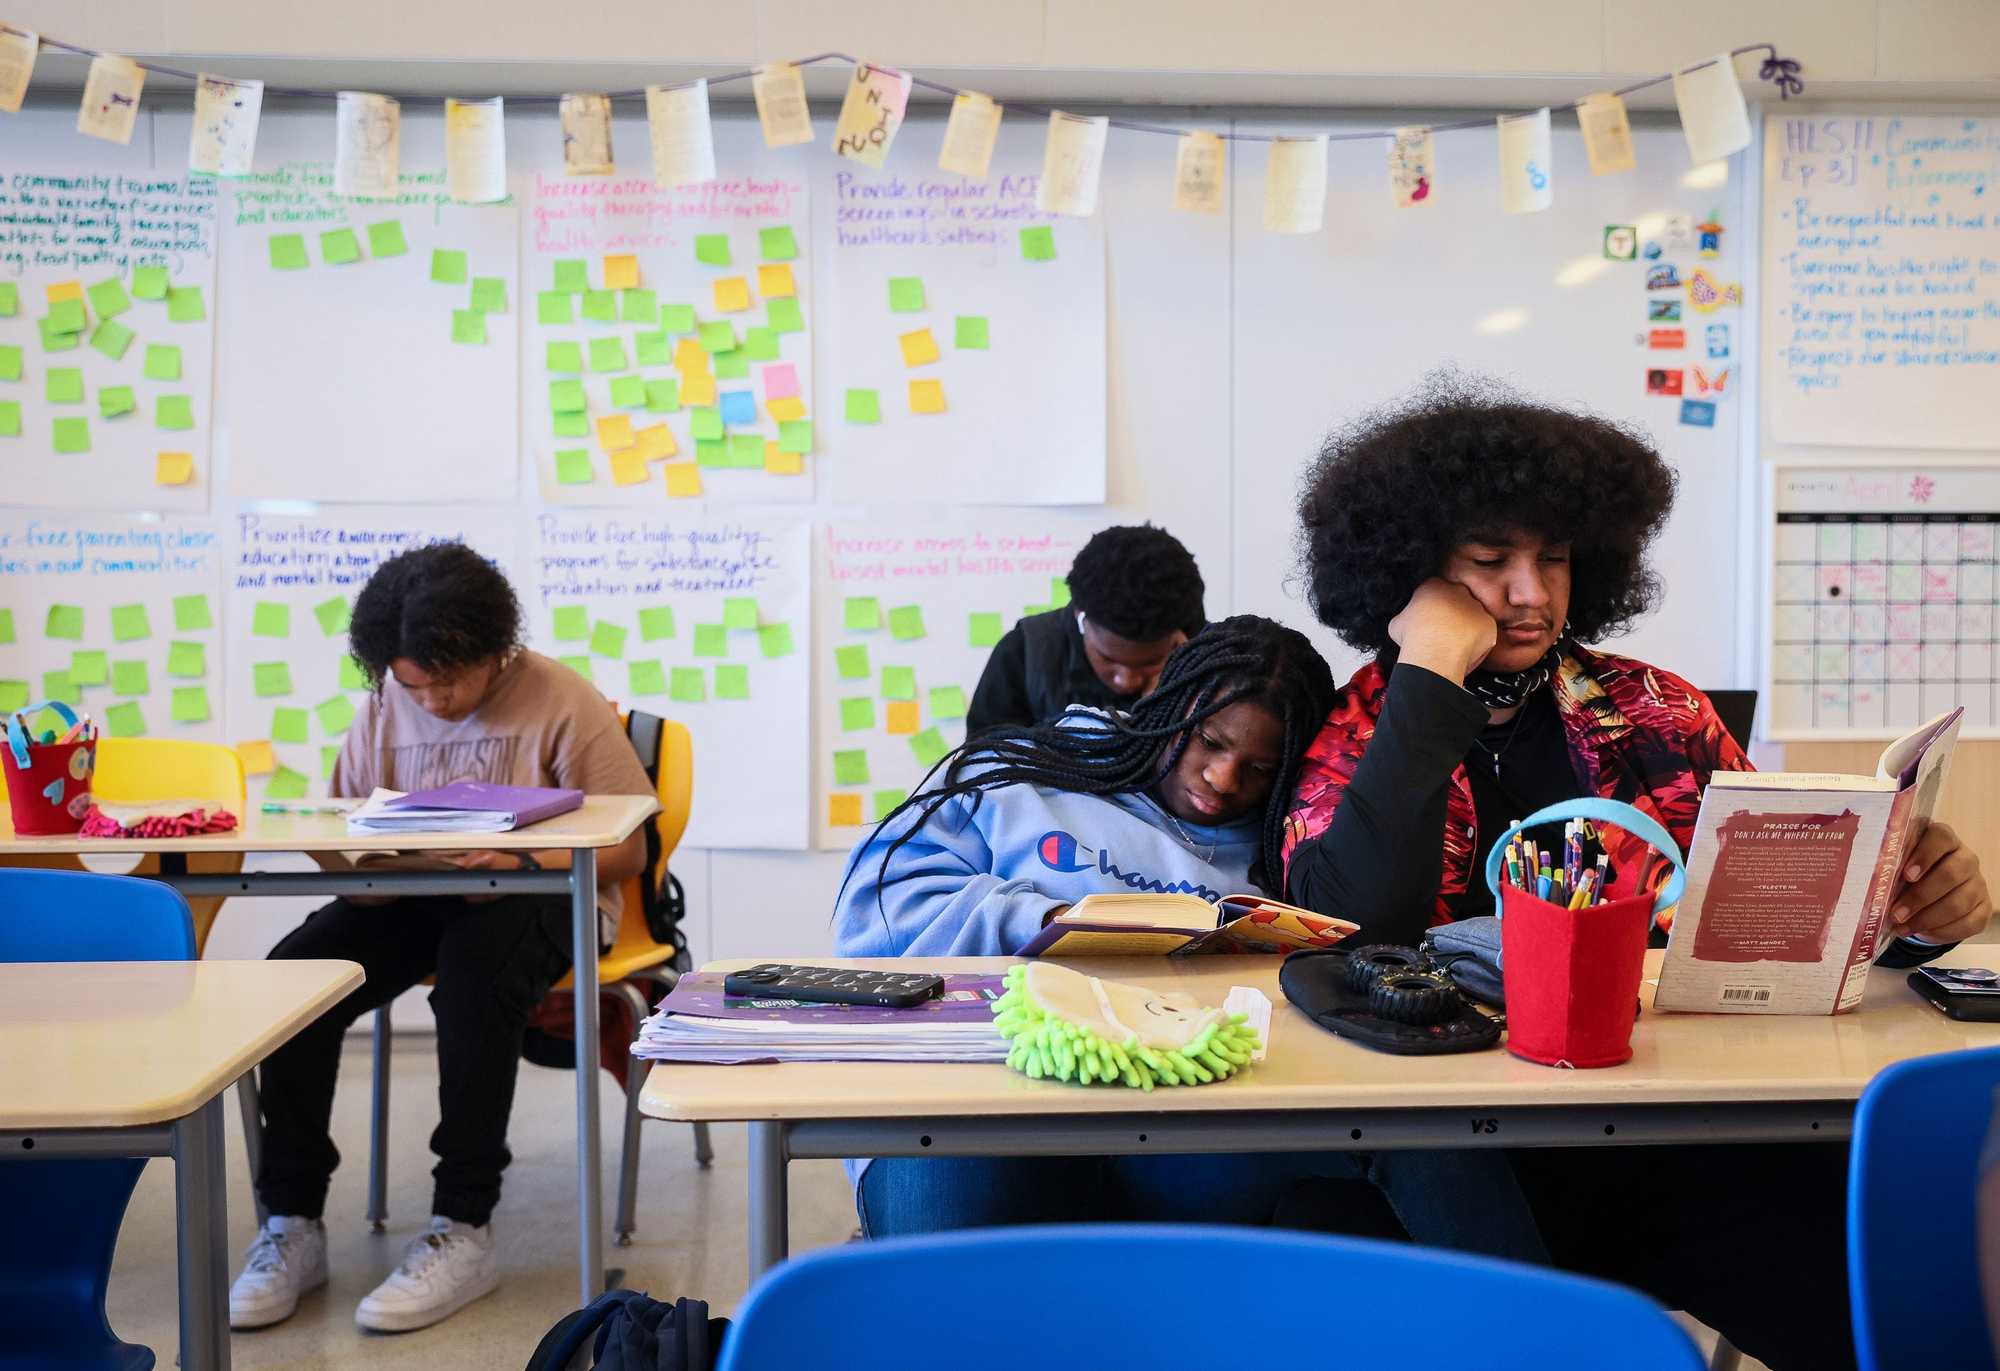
x: 59, y: 1219
x: 1113, y: 1295
x: 1912, y: 1263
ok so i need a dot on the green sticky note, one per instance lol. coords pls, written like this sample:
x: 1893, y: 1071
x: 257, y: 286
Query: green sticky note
x: 333, y: 615
x: 448, y: 266
x: 163, y: 362
x: 328, y: 755
x: 131, y: 678
x: 656, y: 623
x: 191, y: 613
x: 677, y: 318
x: 887, y: 802
x: 711, y: 452
x: 647, y: 678
x: 652, y: 349
x: 56, y: 685
x: 10, y: 362
x: 739, y: 612
x: 906, y: 622
x: 608, y: 354
x: 570, y: 426
x: 1058, y: 592
x: 112, y: 339
x: 6, y: 626
x: 553, y: 307
x: 705, y: 421
x: 468, y: 326
x: 64, y: 621
x: 572, y: 623
x: 775, y: 640
x: 335, y: 713
x: 785, y: 316
x: 947, y: 702
x: 732, y: 366
x: 607, y: 640
x: 285, y: 784
x: 850, y: 766
x: 746, y: 451
x: 288, y: 252
x: 711, y: 640
x: 64, y: 385
x: 271, y: 678
x: 906, y: 294
x: 857, y: 712
x: 174, y: 412
x: 712, y: 249
x: 125, y: 720
x: 628, y: 392
x: 688, y: 685
x: 573, y: 467
x: 1038, y: 244
x: 852, y: 662
x: 337, y: 247
x: 601, y: 306
x: 795, y: 435
x: 148, y: 283
x: 638, y: 306
x: 271, y: 619
x: 108, y: 297
x: 288, y: 725
x: 13, y: 695
x: 777, y: 244
x: 55, y: 340
x: 580, y: 665
x: 759, y: 345
x: 185, y: 305
x: 899, y: 683
x: 489, y: 294
x: 864, y: 407
x: 566, y: 397
x: 732, y: 682
x: 972, y: 332
x: 129, y: 623
x: 67, y: 316
x: 190, y: 704
x: 929, y: 747
x: 72, y: 435
x: 572, y: 275
x: 564, y: 357
x: 187, y: 659
x: 385, y: 238
x: 663, y: 396
x: 10, y: 418
x: 352, y: 677
x: 861, y: 613
x: 89, y: 667
x: 113, y: 401
x: 718, y: 335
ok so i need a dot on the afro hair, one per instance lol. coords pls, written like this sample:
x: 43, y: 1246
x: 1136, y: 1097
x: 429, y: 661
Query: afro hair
x: 1138, y: 582
x: 444, y: 607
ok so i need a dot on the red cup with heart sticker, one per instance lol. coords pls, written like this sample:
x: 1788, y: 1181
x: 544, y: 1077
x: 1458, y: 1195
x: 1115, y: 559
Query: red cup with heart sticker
x: 48, y: 784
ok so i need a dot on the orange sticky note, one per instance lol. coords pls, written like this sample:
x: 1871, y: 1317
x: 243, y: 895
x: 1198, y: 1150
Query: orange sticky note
x: 65, y: 290
x: 257, y: 757
x: 919, y: 347
x: 614, y: 432
x: 628, y: 468
x: 843, y: 811
x: 683, y: 480
x: 788, y: 409
x: 697, y: 388
x: 732, y: 294
x: 902, y: 716
x: 621, y: 272
x: 775, y: 279
x: 926, y: 397
x: 173, y: 469
x: 783, y: 463
x: 690, y: 355
x: 657, y: 442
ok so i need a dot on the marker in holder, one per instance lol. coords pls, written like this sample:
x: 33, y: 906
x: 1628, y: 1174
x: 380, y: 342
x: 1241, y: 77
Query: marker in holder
x: 48, y: 784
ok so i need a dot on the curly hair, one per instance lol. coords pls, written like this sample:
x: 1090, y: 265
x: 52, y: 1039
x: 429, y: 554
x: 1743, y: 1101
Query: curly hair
x: 444, y: 607
x: 1138, y: 582
x: 1393, y: 493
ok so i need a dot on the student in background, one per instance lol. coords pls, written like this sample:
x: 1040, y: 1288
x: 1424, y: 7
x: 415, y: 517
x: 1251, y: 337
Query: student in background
x: 437, y: 630
x: 1475, y: 542
x: 1135, y: 596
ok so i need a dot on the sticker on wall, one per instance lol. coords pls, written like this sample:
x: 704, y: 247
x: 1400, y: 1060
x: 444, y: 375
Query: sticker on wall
x: 1718, y: 338
x: 1706, y: 384
x: 1663, y: 381
x: 1707, y: 294
x: 1667, y: 338
x: 1663, y: 311
x: 1709, y: 240
x: 1621, y: 242
x: 1698, y: 413
x: 1666, y: 276
x: 1679, y: 232
x: 1651, y: 252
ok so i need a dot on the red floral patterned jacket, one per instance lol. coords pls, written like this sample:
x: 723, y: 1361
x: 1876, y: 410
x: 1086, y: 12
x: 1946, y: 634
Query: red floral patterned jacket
x: 1636, y: 734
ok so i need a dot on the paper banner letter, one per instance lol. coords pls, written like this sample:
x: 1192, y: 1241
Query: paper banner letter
x: 586, y: 131
x: 1295, y: 186
x: 781, y: 105
x: 970, y: 135
x: 1607, y: 133
x: 1526, y: 163
x: 111, y: 98
x: 683, y: 138
x: 475, y: 151
x: 367, y: 145
x: 1198, y: 168
x: 1072, y: 164
x: 226, y: 112
x: 1411, y: 167
x: 17, y: 64
x: 1713, y: 115
x: 871, y: 113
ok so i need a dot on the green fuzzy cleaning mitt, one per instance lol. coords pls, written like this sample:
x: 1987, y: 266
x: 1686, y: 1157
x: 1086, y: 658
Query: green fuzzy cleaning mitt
x: 1067, y: 1026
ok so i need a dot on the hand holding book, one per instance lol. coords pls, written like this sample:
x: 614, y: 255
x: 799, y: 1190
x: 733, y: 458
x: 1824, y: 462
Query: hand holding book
x: 1946, y: 900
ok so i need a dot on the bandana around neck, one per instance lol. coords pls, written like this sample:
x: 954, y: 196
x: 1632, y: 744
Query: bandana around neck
x: 1506, y: 689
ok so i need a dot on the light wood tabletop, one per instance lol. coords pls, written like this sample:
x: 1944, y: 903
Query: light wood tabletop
x: 118, y: 1044
x: 602, y: 821
x: 1677, y: 1059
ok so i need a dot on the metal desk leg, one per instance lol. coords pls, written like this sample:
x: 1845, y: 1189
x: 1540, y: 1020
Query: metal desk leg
x: 770, y: 1211
x: 589, y: 1168
x: 201, y: 1209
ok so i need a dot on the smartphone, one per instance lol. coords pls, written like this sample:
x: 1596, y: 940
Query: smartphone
x: 1970, y: 993
x: 834, y: 985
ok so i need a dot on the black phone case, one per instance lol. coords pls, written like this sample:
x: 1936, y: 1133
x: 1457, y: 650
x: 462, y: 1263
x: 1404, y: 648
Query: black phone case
x: 1965, y: 1008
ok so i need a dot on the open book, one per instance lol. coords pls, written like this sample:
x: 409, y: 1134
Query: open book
x: 1180, y: 925
x: 1791, y: 877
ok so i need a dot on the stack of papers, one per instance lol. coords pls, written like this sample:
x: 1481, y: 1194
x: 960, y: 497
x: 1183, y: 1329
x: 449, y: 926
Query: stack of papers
x: 462, y: 807
x: 698, y: 1023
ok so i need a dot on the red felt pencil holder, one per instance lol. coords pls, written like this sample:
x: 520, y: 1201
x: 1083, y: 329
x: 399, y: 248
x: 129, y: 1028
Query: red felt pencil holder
x: 1572, y: 977
x: 48, y: 784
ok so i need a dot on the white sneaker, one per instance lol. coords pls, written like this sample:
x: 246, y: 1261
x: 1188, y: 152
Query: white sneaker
x: 443, y: 1271
x: 287, y: 1260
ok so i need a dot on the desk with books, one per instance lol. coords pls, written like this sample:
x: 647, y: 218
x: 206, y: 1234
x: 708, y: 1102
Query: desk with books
x: 1693, y: 1078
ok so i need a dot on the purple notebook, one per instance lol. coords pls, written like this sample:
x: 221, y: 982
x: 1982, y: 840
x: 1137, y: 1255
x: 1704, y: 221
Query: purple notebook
x: 512, y: 806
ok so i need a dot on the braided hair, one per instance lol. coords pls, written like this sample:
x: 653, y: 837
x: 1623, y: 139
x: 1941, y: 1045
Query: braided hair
x: 1245, y: 658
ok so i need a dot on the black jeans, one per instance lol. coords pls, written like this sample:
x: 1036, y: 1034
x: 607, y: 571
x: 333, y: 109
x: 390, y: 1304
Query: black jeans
x: 493, y: 962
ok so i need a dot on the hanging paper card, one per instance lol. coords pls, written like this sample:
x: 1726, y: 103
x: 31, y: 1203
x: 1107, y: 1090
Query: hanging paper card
x: 367, y: 145
x: 1410, y: 167
x: 111, y: 98
x: 683, y: 139
x: 586, y: 130
x: 1525, y: 161
x: 1198, y: 168
x: 1607, y: 133
x: 1295, y: 186
x: 225, y: 125
x: 781, y: 105
x: 17, y: 64
x: 1072, y: 164
x: 969, y: 136
x: 475, y: 151
x: 1713, y: 115
x: 871, y: 113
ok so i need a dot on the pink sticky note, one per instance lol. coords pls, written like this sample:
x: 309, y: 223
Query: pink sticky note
x: 781, y: 380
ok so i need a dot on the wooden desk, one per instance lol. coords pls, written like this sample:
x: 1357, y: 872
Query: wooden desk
x: 1692, y: 1078
x: 130, y: 1059
x: 602, y: 821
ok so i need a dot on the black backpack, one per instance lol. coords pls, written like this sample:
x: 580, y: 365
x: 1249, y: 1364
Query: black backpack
x: 628, y: 1331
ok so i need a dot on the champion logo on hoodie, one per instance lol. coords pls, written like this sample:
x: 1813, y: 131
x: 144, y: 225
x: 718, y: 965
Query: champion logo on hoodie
x: 1061, y: 851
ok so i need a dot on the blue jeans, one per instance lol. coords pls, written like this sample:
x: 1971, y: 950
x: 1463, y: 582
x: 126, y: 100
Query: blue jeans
x: 1466, y: 1200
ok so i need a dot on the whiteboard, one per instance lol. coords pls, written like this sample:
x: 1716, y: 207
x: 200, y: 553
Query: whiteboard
x: 1882, y: 251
